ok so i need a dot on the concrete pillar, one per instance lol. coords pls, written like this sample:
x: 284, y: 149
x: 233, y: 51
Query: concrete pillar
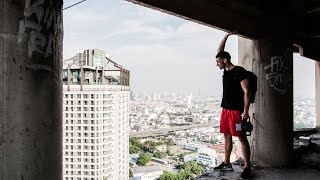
x: 31, y: 90
x: 82, y: 77
x: 317, y: 95
x: 69, y: 77
x: 128, y: 78
x: 272, y: 61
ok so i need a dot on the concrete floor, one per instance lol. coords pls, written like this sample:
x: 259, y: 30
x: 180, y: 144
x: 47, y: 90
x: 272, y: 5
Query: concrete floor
x: 298, y: 173
x: 306, y: 165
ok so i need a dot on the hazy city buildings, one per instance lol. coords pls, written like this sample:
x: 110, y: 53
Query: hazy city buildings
x: 95, y: 118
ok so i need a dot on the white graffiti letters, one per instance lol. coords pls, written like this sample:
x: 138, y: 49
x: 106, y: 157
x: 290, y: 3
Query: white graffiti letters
x: 39, y: 39
x: 279, y: 72
x: 36, y: 42
x: 34, y: 8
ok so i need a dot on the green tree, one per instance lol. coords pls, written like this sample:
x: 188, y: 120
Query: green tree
x: 182, y: 173
x: 130, y: 173
x: 143, y: 159
x: 192, y: 167
x: 189, y: 170
x: 180, y: 176
x: 150, y: 146
x: 159, y: 155
x: 181, y: 156
x: 135, y: 142
x: 134, y: 149
x: 168, y: 176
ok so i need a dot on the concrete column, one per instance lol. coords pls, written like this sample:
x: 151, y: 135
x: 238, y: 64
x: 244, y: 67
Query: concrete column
x: 82, y: 77
x: 102, y: 76
x: 31, y: 90
x: 121, y: 76
x: 69, y: 77
x: 317, y: 95
x: 128, y: 78
x: 272, y: 61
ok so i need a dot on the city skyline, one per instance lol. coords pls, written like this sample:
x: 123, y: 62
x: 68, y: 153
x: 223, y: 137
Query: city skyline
x: 163, y: 52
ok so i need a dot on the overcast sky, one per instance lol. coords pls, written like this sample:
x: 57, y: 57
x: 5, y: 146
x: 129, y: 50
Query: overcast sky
x: 162, y: 52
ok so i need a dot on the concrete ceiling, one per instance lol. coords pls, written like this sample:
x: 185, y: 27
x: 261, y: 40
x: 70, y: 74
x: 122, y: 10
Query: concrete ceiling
x: 253, y: 19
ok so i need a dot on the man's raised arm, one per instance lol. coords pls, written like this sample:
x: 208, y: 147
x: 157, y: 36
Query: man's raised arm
x: 224, y: 40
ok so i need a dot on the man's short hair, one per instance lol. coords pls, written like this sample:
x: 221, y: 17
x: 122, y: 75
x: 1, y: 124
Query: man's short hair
x: 223, y: 54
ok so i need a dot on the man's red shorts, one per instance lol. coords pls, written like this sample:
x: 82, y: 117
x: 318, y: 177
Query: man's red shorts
x: 228, y: 121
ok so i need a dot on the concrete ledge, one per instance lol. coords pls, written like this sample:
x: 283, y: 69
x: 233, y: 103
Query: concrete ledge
x: 260, y: 173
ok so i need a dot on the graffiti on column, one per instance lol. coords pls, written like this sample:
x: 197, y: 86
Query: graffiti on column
x: 279, y: 72
x: 37, y: 27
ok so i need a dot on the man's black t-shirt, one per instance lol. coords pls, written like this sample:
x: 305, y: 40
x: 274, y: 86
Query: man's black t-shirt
x: 233, y: 96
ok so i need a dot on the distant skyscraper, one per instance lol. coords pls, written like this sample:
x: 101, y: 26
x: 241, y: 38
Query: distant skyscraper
x: 131, y: 95
x: 95, y: 118
x: 200, y: 92
x: 189, y: 99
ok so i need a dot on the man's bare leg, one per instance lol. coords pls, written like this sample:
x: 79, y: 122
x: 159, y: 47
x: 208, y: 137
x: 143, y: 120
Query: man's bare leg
x: 227, y: 148
x: 245, y: 150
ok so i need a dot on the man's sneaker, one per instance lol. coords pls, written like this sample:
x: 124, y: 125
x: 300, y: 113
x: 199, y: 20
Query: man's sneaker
x: 224, y: 167
x: 246, y: 173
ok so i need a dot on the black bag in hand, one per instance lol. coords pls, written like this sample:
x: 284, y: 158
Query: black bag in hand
x: 247, y: 126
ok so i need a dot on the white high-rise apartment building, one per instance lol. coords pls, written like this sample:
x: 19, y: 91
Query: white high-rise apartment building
x: 95, y: 118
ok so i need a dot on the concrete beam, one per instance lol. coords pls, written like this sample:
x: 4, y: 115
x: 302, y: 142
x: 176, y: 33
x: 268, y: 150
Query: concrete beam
x: 251, y: 19
x: 239, y: 16
x: 311, y: 49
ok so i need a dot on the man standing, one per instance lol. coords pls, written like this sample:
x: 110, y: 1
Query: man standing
x: 235, y: 108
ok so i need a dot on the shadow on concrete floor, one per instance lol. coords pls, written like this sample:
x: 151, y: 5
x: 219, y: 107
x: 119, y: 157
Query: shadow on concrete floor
x: 258, y: 173
x: 305, y: 164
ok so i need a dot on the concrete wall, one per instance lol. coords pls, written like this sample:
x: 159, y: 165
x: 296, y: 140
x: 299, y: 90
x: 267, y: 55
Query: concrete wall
x: 31, y: 90
x: 271, y: 61
x: 317, y: 95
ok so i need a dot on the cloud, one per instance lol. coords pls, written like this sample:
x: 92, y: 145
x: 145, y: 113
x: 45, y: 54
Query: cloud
x: 162, y: 52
